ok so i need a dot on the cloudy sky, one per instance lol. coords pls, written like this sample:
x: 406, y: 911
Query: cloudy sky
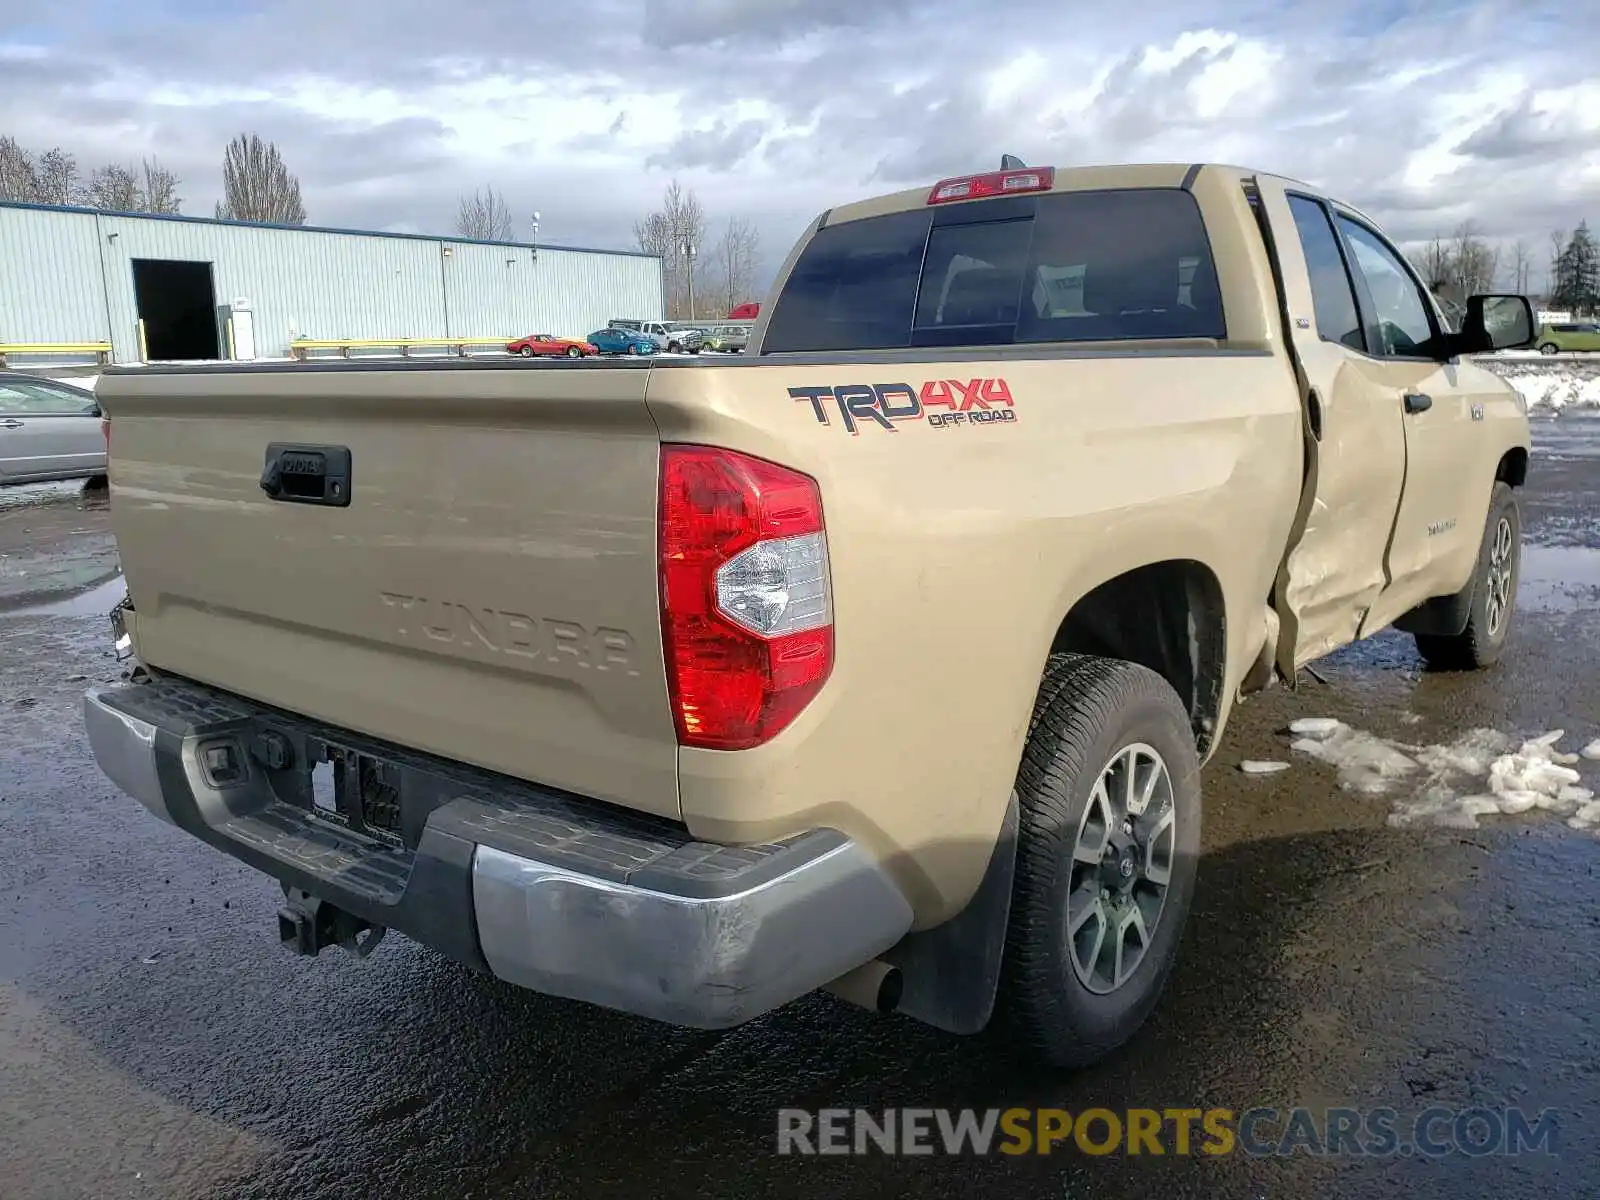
x: 1425, y: 114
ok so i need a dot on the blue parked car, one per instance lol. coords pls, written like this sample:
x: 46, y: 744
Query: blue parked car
x: 621, y: 341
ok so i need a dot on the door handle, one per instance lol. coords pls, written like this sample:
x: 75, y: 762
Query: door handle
x: 8, y: 423
x: 1416, y: 402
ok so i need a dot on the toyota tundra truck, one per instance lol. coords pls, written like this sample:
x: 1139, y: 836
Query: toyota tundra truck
x: 883, y: 659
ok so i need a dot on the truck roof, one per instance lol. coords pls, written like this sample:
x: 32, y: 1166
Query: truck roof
x: 1070, y: 179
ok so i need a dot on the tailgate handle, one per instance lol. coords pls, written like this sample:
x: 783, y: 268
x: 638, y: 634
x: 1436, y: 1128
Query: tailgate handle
x: 307, y: 474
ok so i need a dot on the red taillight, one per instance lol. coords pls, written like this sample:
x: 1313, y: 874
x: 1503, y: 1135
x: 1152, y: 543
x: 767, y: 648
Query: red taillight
x: 746, y: 613
x: 995, y: 183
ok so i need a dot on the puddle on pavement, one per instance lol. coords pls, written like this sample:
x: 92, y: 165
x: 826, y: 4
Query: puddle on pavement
x: 1559, y: 579
x: 97, y: 601
x: 1568, y: 436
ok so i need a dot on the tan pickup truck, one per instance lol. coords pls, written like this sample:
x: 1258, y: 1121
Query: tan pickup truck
x: 883, y: 659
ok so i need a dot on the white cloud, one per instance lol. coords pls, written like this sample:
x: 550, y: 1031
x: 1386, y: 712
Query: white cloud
x: 1421, y: 114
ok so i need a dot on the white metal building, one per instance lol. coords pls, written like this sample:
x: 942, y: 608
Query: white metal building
x: 167, y: 287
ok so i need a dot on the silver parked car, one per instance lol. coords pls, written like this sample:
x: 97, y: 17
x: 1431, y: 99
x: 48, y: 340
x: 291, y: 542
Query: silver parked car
x: 671, y: 337
x: 48, y: 430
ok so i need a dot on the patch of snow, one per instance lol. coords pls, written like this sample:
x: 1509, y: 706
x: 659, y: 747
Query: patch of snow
x: 1592, y: 750
x: 1556, y: 390
x: 1315, y: 726
x: 1253, y: 767
x: 1426, y: 783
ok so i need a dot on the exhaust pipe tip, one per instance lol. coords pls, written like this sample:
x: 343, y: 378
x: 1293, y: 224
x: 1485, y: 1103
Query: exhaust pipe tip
x: 876, y: 986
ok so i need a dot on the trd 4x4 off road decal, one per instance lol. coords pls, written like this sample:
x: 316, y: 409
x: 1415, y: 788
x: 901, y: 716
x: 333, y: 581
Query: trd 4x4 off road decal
x: 943, y: 403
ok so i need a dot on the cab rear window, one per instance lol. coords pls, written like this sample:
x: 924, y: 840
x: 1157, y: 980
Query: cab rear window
x: 1116, y: 265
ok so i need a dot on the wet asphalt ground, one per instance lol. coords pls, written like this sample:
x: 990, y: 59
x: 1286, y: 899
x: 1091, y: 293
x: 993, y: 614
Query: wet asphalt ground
x: 155, y: 1040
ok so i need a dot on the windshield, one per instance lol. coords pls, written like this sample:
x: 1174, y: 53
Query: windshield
x: 1071, y: 267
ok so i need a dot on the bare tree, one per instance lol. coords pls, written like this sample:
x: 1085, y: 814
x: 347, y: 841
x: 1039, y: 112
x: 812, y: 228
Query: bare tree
x: 1464, y: 266
x: 676, y: 231
x: 1558, y: 248
x: 160, y: 189
x: 736, y: 262
x: 1433, y: 264
x: 1475, y: 262
x: 48, y: 178
x: 56, y: 178
x: 52, y: 178
x: 114, y: 188
x: 16, y: 171
x: 1521, y: 266
x: 484, y: 215
x: 256, y: 186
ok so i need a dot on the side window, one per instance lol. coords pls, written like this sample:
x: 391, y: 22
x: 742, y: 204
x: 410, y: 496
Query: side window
x: 1332, y: 293
x: 1402, y: 313
x: 1120, y: 265
x: 21, y: 398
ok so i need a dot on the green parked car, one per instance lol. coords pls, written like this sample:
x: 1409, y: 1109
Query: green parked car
x: 1576, y: 335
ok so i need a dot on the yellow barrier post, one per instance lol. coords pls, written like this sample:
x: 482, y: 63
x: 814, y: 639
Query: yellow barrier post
x: 100, y: 350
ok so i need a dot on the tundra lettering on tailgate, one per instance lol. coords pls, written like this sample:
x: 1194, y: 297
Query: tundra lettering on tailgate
x: 496, y: 631
x: 943, y: 403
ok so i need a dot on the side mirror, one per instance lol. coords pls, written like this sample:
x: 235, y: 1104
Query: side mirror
x: 1497, y: 323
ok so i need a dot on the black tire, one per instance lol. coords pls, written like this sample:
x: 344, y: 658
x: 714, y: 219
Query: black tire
x: 1549, y: 348
x: 633, y: 349
x: 1494, y: 594
x: 672, y: 347
x: 1088, y: 713
x: 574, y: 352
x: 526, y: 352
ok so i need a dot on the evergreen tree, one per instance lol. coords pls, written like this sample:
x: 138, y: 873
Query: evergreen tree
x: 1577, y: 282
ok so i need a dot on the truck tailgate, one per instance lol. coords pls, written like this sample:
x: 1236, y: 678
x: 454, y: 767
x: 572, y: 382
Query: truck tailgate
x: 488, y: 594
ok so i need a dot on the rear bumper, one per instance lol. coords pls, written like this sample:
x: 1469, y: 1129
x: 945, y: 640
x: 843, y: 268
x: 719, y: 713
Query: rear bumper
x: 542, y: 889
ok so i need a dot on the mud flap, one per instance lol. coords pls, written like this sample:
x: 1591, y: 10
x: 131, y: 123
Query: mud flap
x: 950, y: 974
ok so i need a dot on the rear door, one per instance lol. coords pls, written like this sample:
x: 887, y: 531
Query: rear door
x: 48, y: 432
x: 1335, y: 569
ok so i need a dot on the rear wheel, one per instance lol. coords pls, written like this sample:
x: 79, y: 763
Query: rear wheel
x: 673, y: 347
x: 1109, y: 805
x: 1494, y: 593
x: 1549, y: 348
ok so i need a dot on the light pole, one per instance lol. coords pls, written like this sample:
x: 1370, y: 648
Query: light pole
x: 688, y: 262
x: 535, y: 229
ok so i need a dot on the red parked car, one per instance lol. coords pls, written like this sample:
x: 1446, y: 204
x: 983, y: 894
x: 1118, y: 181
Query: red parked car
x: 553, y: 347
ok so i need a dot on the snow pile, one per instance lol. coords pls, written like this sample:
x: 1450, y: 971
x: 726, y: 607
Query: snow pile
x: 1429, y: 784
x: 1253, y: 767
x: 1555, y: 390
